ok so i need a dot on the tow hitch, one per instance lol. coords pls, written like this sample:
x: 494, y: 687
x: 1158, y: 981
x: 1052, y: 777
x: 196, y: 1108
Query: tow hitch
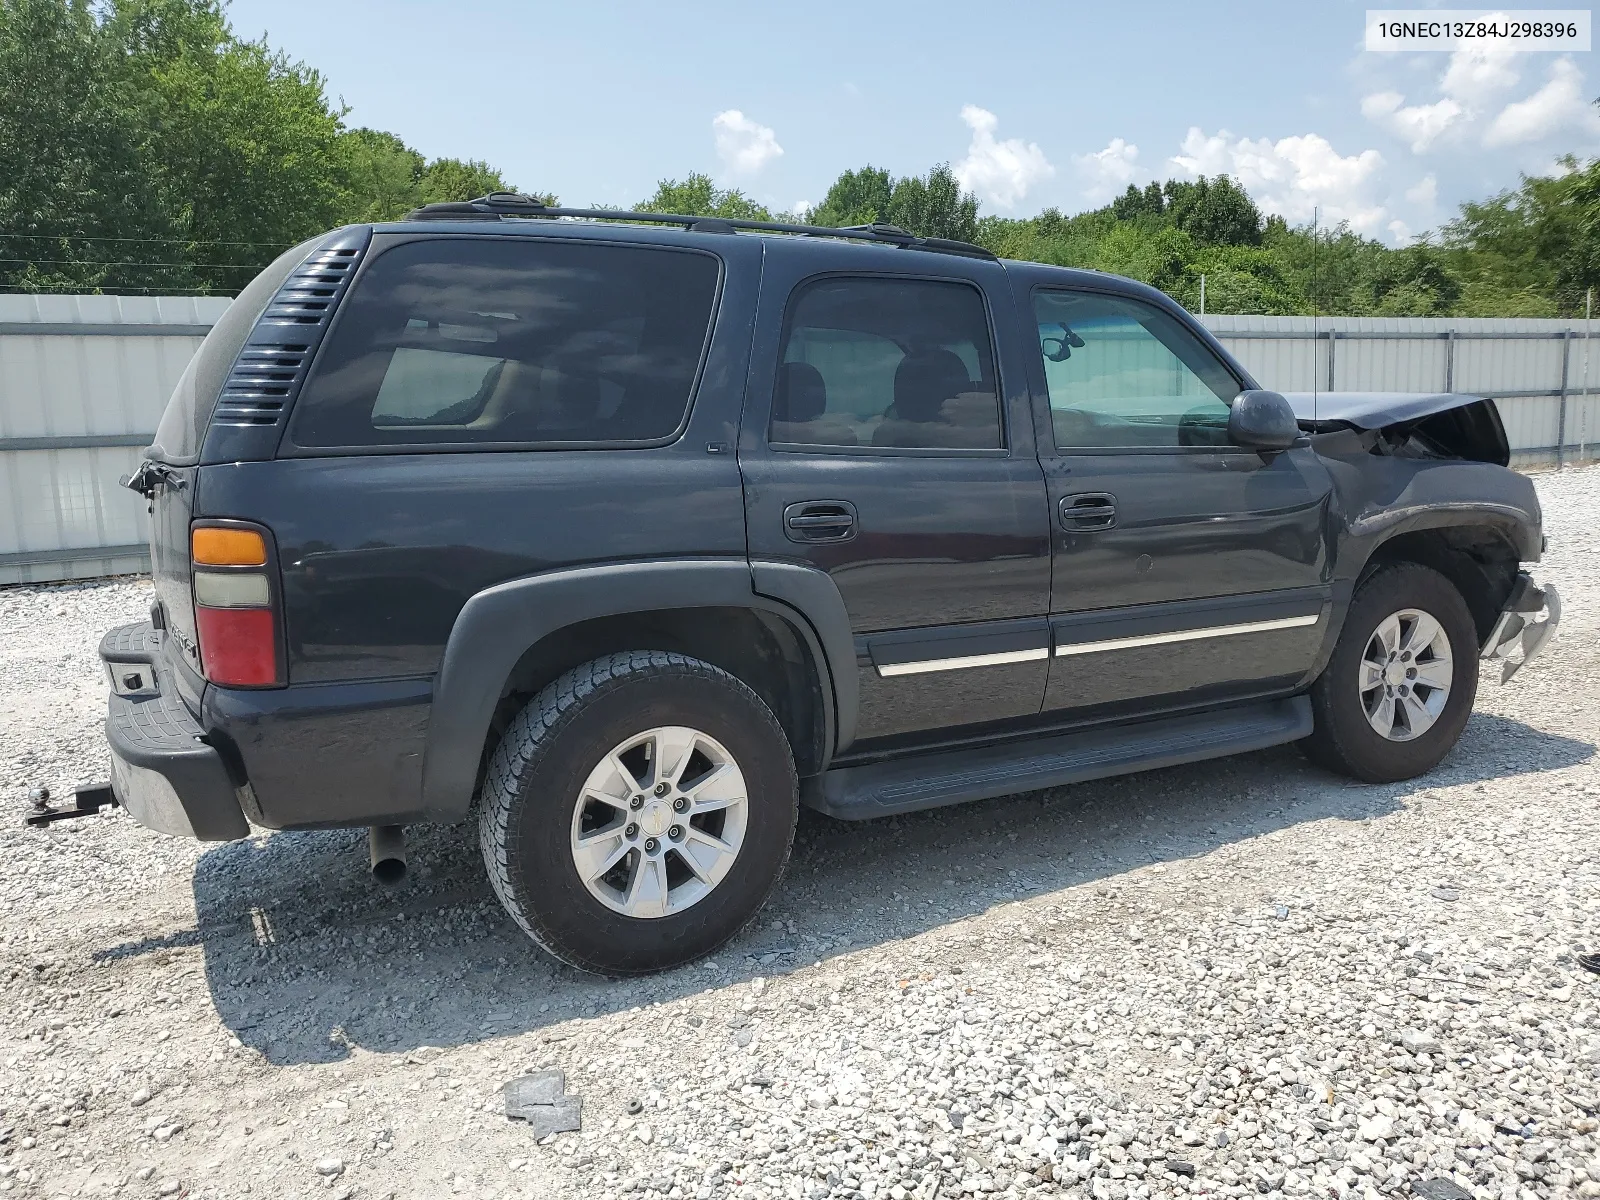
x: 87, y: 799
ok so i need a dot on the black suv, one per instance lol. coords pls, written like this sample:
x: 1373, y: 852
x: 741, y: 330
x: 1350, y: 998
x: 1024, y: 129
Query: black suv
x: 624, y: 534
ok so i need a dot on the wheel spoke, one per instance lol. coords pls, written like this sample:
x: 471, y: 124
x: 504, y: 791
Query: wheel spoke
x: 1380, y: 715
x: 630, y: 783
x: 1435, y: 673
x: 647, y: 890
x: 673, y: 750
x: 1387, y: 636
x: 1417, y: 717
x: 719, y: 787
x: 1424, y: 629
x: 599, y: 852
x: 1371, y: 675
x: 695, y: 869
x: 705, y: 855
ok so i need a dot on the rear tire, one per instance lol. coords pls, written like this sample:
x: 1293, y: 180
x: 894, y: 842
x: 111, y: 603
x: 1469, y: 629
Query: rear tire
x: 1399, y: 687
x: 638, y: 812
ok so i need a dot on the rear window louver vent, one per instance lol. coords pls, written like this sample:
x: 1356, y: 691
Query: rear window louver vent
x: 308, y: 295
x: 272, y: 365
x: 259, y: 384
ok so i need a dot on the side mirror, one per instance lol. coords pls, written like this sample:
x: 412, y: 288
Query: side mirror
x: 1262, y: 420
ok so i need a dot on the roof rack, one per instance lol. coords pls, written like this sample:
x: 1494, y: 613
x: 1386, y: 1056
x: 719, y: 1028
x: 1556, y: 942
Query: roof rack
x: 514, y: 204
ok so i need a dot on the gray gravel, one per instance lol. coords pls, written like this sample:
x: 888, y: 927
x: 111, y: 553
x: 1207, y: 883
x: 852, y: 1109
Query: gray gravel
x: 1236, y: 978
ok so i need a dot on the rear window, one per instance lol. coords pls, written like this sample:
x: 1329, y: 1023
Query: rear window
x: 493, y: 340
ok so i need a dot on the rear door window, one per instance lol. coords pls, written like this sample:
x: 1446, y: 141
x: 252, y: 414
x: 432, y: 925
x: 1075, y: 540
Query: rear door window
x: 473, y: 340
x: 887, y: 362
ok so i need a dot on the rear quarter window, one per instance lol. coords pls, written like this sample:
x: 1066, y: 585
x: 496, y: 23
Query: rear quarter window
x: 473, y: 340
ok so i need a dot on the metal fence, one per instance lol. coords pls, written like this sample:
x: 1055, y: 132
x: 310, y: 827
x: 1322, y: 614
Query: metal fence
x: 83, y: 380
x: 1539, y: 372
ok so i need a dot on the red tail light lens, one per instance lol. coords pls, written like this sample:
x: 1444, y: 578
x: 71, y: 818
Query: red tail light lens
x: 238, y: 646
x: 236, y: 617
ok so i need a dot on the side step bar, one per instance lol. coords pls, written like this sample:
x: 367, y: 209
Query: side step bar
x: 954, y: 776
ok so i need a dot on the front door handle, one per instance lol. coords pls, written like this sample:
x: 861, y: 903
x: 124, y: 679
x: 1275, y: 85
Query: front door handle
x: 1088, y: 512
x: 820, y: 521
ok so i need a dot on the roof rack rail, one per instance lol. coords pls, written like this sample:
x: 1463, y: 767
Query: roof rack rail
x: 514, y: 204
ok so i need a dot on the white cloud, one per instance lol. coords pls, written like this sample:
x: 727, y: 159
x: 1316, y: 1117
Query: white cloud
x: 1558, y: 105
x: 1399, y: 231
x: 1292, y: 176
x: 802, y: 207
x: 743, y: 145
x: 1420, y: 124
x: 1478, y: 76
x: 1107, y: 173
x: 999, y: 172
x: 1425, y: 192
x: 1474, y: 105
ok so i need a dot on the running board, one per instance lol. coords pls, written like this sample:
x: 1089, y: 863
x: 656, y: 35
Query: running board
x: 955, y: 776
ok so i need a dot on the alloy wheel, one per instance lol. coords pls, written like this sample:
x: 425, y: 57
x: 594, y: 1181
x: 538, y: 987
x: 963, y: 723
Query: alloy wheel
x: 659, y: 822
x: 1405, y: 674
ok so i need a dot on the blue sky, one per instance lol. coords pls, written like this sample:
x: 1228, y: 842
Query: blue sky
x: 1033, y: 104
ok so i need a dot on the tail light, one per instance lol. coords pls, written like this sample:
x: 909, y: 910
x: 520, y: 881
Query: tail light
x: 235, y: 606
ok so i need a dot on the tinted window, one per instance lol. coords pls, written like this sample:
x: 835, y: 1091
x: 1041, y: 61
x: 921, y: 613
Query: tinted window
x: 1124, y: 373
x: 887, y: 362
x: 473, y: 339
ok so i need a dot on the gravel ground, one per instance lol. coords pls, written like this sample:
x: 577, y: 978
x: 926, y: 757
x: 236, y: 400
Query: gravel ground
x: 1236, y: 978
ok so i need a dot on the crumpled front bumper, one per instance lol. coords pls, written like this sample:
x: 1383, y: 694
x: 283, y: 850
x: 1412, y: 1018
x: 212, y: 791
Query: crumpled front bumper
x: 1524, y: 627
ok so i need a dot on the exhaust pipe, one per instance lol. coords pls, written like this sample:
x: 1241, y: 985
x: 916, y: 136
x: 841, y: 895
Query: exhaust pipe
x: 386, y: 845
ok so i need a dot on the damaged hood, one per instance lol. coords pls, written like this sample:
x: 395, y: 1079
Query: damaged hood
x: 1373, y: 410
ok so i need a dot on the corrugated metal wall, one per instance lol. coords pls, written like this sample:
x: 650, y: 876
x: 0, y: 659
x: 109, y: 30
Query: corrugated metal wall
x: 1540, y: 372
x: 83, y: 380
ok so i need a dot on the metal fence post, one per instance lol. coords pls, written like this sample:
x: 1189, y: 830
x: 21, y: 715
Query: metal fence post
x: 1450, y: 360
x: 1333, y: 334
x: 1561, y: 418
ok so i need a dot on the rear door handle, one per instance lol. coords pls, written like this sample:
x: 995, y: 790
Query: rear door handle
x: 820, y: 521
x: 1088, y: 512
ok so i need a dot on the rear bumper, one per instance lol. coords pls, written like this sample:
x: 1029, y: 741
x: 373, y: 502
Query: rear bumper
x: 1524, y: 627
x: 163, y: 771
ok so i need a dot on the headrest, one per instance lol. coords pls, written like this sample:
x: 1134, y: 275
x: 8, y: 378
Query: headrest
x: 802, y: 394
x: 925, y: 380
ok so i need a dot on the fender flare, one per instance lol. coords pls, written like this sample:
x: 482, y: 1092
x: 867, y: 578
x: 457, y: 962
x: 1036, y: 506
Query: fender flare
x: 1520, y: 527
x: 497, y: 626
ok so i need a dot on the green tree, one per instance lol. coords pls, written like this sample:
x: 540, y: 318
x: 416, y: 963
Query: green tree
x: 381, y: 175
x: 856, y: 198
x: 447, y: 179
x: 934, y: 206
x: 74, y: 163
x: 242, y: 141
x: 1215, y: 212
x: 1415, y: 281
x: 144, y: 146
x: 697, y: 196
x: 1148, y: 202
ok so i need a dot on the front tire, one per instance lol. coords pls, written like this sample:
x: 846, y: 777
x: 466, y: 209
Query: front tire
x: 638, y: 812
x: 1399, y: 688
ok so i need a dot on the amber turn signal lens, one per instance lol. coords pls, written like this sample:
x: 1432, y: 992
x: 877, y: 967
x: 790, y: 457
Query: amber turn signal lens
x: 228, y: 548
